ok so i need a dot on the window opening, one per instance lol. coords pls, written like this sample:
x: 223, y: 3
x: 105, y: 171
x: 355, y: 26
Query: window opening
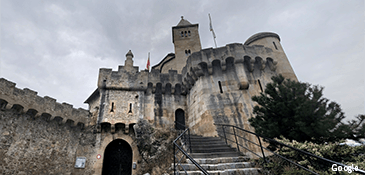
x: 130, y: 108
x: 182, y: 34
x: 275, y: 45
x: 189, y: 52
x: 180, y: 119
x: 112, y: 109
x: 185, y: 33
x: 186, y: 52
x: 260, y: 85
x: 220, y: 86
x: 189, y: 32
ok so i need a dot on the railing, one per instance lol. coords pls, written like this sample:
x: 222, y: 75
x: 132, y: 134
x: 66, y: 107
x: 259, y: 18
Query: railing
x: 184, y: 147
x: 228, y: 129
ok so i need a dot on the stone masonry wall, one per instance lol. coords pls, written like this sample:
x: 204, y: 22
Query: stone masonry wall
x: 33, y: 145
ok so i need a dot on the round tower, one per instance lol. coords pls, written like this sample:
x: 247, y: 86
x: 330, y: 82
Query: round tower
x: 272, y: 40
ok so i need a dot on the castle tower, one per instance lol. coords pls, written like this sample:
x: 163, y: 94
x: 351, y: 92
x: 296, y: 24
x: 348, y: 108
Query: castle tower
x: 272, y: 40
x: 185, y: 37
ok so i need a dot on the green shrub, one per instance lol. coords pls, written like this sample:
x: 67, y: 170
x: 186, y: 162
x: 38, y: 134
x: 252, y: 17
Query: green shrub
x: 333, y: 151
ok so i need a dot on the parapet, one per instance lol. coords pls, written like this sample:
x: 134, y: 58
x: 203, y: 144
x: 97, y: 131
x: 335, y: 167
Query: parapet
x: 27, y: 101
x: 261, y: 35
x: 206, y: 61
x: 140, y: 81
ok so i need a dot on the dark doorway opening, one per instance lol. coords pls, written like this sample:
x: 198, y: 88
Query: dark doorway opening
x: 117, y: 158
x: 180, y: 119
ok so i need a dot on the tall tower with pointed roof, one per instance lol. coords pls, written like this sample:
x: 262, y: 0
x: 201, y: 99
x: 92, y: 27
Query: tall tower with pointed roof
x: 185, y: 37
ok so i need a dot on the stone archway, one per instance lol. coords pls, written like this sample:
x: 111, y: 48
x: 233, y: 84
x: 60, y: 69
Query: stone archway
x: 179, y: 118
x: 117, y: 158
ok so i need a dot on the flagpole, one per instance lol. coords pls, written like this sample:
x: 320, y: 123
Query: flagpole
x: 211, y: 29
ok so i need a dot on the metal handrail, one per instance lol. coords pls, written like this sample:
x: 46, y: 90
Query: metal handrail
x: 183, y: 141
x: 276, y: 142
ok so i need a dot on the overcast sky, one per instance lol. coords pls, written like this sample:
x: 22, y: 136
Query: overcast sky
x: 57, y: 47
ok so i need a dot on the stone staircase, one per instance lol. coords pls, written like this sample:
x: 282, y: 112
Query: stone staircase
x: 217, y: 158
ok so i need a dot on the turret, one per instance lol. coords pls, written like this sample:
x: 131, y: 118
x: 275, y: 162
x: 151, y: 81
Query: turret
x: 128, y: 64
x: 272, y: 40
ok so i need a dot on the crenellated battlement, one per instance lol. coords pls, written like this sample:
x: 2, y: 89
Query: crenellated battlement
x: 27, y: 101
x: 125, y: 79
x: 243, y: 58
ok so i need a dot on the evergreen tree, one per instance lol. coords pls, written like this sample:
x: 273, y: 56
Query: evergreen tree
x: 298, y: 111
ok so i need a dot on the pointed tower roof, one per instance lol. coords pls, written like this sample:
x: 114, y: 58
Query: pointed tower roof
x: 183, y: 22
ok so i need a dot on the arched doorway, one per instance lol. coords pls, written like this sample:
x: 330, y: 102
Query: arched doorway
x: 179, y: 118
x: 117, y: 158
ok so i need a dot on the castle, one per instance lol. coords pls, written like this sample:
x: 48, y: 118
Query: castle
x: 193, y: 86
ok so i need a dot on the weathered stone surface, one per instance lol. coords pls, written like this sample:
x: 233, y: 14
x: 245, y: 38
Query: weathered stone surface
x: 36, y: 146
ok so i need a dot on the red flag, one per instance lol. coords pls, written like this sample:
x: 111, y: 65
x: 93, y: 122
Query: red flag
x: 148, y: 62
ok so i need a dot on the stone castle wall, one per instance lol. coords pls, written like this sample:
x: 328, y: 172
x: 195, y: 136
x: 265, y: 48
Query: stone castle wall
x: 35, y: 145
x: 28, y: 101
x: 222, y: 82
x: 134, y: 95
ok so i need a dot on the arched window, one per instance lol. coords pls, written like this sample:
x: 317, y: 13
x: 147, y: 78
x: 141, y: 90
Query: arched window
x: 189, y: 52
x: 185, y: 33
x: 182, y: 34
x: 189, y: 32
x: 186, y: 52
x: 177, y: 89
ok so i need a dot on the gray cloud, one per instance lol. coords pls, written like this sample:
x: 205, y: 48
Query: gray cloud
x: 57, y: 48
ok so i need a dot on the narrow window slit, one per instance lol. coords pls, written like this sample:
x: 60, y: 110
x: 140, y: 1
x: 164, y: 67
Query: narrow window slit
x: 275, y: 45
x: 112, y: 109
x: 220, y: 86
x: 260, y: 85
x: 130, y: 108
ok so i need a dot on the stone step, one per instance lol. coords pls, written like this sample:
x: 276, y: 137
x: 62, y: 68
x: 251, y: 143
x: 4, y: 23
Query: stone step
x: 208, y: 140
x: 210, y: 147
x: 220, y: 160
x: 216, y: 167
x: 215, y: 154
x: 213, y: 150
x: 208, y: 144
x: 243, y: 171
x: 205, y: 138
